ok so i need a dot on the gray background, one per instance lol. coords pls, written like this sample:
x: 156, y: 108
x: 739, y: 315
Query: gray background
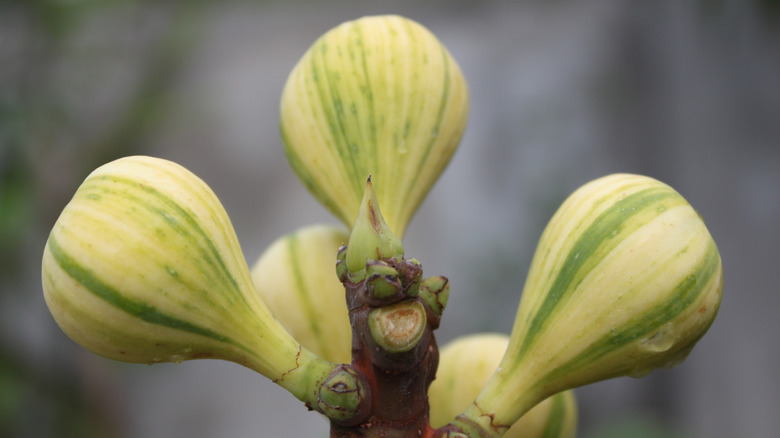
x: 561, y: 92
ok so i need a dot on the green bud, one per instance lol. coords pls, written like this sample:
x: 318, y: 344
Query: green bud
x: 343, y: 397
x: 410, y: 271
x: 398, y: 328
x: 382, y: 280
x: 371, y: 238
x: 435, y: 291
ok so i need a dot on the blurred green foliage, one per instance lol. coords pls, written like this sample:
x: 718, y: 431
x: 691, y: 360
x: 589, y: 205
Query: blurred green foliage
x: 47, y: 145
x: 36, y: 405
x: 16, y: 210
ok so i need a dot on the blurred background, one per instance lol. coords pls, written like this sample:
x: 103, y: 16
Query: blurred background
x: 562, y: 92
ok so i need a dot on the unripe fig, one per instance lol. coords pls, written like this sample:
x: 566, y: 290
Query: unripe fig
x: 143, y: 266
x: 296, y: 278
x: 626, y: 278
x: 375, y: 96
x: 467, y: 363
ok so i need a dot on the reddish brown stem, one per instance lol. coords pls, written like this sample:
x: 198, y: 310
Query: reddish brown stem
x: 397, y: 381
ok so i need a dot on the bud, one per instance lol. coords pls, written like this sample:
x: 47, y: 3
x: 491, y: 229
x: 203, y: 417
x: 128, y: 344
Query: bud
x: 411, y: 272
x: 382, y: 280
x: 435, y: 291
x: 465, y: 366
x: 343, y: 397
x: 626, y: 278
x: 371, y: 238
x: 143, y: 266
x: 296, y: 279
x: 375, y: 96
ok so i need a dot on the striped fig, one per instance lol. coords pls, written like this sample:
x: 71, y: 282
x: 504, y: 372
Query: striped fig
x: 375, y: 96
x: 143, y: 266
x: 467, y: 363
x: 296, y: 277
x: 626, y: 278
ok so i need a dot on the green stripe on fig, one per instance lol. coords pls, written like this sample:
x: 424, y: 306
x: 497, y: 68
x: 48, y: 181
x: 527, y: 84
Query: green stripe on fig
x: 138, y: 309
x: 296, y: 277
x: 309, y: 315
x: 559, y: 414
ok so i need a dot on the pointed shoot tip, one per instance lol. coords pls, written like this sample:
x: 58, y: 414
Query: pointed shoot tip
x: 371, y: 237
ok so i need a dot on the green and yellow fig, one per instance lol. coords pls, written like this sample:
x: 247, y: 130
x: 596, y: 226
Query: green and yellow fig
x: 143, y: 266
x: 465, y: 366
x: 626, y: 278
x: 375, y: 96
x: 296, y: 277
